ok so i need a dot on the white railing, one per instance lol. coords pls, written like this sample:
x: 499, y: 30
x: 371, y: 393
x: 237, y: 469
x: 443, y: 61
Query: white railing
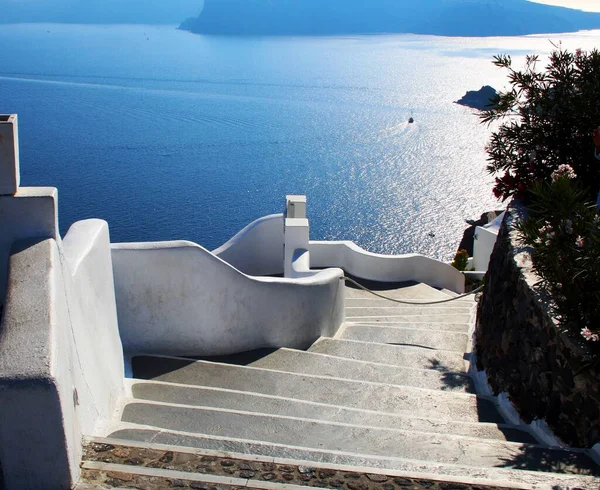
x: 178, y: 298
x: 385, y: 268
x: 257, y: 249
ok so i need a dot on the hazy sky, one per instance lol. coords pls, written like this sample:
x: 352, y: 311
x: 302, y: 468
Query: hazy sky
x: 587, y: 5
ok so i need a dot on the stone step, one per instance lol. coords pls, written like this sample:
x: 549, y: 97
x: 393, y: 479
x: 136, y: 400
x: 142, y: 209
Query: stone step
x: 327, y: 436
x: 409, y: 337
x: 319, y: 389
x: 412, y: 311
x: 444, y: 361
x: 449, y: 293
x: 416, y: 291
x: 389, y: 315
x: 463, y: 307
x: 251, y: 402
x: 425, y: 326
x: 295, y: 361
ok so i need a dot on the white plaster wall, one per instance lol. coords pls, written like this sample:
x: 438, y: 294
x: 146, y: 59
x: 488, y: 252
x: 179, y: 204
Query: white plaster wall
x: 386, y: 268
x: 40, y: 438
x: 483, y: 246
x: 296, y: 235
x: 61, y: 361
x: 256, y: 250
x: 177, y: 298
x: 89, y: 283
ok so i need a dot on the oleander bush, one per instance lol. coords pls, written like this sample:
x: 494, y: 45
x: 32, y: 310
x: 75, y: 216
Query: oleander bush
x: 548, y: 116
x: 563, y: 228
x: 543, y: 153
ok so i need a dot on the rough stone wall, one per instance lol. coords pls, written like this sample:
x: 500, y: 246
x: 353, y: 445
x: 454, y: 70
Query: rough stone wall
x: 525, y: 354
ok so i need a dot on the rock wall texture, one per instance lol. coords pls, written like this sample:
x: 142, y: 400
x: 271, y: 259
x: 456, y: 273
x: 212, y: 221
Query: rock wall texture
x: 545, y: 371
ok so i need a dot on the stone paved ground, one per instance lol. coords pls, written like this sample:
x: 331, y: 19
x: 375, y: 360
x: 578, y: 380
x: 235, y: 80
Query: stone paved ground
x: 239, y: 468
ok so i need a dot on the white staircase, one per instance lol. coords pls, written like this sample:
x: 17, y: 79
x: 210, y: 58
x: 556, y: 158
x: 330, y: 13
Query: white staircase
x: 390, y: 392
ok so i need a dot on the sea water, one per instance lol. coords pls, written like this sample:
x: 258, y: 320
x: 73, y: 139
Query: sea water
x: 170, y: 135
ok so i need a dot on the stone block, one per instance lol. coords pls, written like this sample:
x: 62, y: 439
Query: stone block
x: 9, y: 154
x: 31, y: 213
x: 295, y: 206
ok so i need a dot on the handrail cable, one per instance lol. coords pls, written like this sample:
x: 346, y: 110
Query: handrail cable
x: 404, y: 302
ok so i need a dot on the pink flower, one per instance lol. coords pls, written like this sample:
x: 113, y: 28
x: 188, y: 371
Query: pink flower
x: 579, y: 241
x: 589, y: 336
x: 563, y: 171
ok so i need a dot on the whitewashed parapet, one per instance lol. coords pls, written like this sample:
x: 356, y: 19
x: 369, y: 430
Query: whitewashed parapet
x: 386, y: 268
x: 484, y: 240
x: 177, y: 298
x: 61, y: 361
x: 257, y: 250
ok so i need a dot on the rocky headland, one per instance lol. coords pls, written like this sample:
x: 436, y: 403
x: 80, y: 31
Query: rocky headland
x: 481, y: 99
x: 337, y: 17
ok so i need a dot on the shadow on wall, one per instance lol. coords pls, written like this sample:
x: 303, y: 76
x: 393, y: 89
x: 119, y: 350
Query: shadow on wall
x: 437, y: 17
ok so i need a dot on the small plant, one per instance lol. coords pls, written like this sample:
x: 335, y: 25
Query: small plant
x: 461, y: 260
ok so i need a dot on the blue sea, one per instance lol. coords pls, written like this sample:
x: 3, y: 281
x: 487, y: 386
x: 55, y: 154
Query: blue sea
x: 170, y: 135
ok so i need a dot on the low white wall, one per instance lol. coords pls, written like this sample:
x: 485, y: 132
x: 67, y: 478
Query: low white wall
x: 484, y: 241
x: 483, y: 246
x: 257, y: 250
x: 386, y: 268
x: 61, y: 362
x: 93, y: 310
x: 177, y: 298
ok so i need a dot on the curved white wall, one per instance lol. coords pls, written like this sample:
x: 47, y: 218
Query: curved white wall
x: 257, y: 250
x: 385, y: 268
x: 177, y: 298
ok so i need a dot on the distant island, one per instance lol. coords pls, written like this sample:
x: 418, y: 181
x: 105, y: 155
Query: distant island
x: 338, y: 17
x: 479, y: 99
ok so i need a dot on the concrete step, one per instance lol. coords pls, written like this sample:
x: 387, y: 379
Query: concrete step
x: 425, y: 326
x: 251, y: 402
x: 379, y: 302
x: 416, y: 291
x: 327, y: 436
x: 363, y: 395
x: 410, y: 337
x: 295, y: 361
x: 444, y: 361
x: 449, y: 293
x: 450, y: 315
x: 396, y: 315
x: 503, y: 476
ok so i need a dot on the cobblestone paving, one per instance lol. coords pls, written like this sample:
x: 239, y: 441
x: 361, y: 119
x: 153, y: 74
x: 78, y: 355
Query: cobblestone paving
x: 239, y: 468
